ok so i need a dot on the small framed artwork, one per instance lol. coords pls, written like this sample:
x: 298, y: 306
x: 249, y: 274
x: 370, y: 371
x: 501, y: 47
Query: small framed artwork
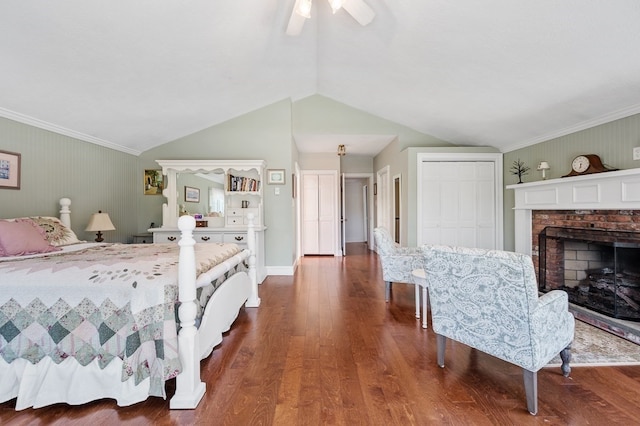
x: 275, y: 176
x: 9, y: 170
x: 191, y: 194
x: 153, y: 182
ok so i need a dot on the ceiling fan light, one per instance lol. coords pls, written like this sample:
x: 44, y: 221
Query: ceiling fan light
x: 303, y: 8
x: 336, y: 5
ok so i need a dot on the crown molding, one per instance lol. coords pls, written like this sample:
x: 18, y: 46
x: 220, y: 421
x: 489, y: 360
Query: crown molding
x: 25, y: 119
x: 603, y: 119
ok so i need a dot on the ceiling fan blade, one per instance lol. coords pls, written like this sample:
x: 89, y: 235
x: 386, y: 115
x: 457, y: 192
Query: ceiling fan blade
x: 360, y: 11
x: 296, y: 21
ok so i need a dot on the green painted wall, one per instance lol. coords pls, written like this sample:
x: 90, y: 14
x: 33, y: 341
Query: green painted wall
x: 264, y: 134
x: 99, y: 178
x: 55, y: 166
x: 613, y: 142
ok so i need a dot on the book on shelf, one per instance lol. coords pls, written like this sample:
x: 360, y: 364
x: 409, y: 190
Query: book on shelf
x: 242, y: 184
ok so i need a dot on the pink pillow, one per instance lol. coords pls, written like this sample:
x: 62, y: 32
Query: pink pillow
x: 23, y: 236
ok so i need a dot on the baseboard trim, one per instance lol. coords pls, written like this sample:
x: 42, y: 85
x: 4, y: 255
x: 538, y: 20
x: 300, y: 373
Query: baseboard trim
x: 281, y: 270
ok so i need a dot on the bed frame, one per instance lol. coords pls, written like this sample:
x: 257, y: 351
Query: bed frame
x: 222, y: 309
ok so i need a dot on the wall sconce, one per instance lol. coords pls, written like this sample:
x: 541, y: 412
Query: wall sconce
x: 341, y: 150
x: 543, y: 167
x: 100, y: 222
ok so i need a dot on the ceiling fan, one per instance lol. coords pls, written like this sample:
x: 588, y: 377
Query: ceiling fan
x: 358, y: 9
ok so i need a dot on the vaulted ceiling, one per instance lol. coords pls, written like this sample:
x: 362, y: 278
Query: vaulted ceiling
x: 136, y: 74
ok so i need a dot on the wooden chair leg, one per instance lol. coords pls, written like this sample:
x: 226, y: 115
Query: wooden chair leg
x: 387, y: 290
x: 565, y: 355
x: 531, y: 390
x: 441, y: 342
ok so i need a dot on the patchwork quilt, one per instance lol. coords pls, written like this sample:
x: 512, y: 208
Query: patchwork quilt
x: 100, y: 303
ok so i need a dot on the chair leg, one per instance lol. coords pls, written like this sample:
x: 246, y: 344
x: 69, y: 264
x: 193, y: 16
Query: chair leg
x: 565, y: 355
x: 417, y: 288
x: 387, y: 290
x: 441, y: 342
x: 531, y: 390
x: 425, y: 304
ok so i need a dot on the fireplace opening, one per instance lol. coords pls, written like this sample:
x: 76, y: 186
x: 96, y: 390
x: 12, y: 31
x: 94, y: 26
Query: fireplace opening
x: 599, y: 269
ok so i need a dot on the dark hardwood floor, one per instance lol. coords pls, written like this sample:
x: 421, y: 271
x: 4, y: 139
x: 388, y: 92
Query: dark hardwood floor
x: 325, y: 348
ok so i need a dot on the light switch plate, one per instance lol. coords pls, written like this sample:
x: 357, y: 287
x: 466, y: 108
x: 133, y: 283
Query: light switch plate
x: 636, y: 153
x: 276, y: 191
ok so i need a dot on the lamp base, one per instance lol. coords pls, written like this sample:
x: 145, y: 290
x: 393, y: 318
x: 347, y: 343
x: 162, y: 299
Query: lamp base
x: 99, y: 238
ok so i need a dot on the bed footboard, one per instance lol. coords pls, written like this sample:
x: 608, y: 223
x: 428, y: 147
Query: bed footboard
x: 189, y: 387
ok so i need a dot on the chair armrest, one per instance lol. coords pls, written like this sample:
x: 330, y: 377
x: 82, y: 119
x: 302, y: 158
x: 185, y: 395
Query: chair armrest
x: 551, y: 306
x: 552, y: 325
x: 399, y: 267
x: 408, y: 251
x: 558, y: 300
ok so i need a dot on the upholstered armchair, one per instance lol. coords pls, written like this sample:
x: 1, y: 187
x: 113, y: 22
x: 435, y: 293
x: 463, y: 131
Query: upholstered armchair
x: 488, y: 299
x: 397, y: 263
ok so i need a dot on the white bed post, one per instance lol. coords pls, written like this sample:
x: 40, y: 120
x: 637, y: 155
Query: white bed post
x: 254, y: 300
x: 65, y: 212
x: 189, y: 388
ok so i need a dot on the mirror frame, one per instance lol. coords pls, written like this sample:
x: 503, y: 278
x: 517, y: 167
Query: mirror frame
x: 171, y: 169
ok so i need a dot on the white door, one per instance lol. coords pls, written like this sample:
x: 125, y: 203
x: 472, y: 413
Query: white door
x: 458, y: 203
x: 319, y: 213
x: 327, y: 203
x: 383, y: 199
x: 310, y: 214
x: 343, y: 215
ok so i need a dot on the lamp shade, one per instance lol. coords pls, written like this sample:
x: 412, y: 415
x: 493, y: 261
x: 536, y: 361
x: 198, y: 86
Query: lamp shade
x: 100, y: 222
x: 543, y: 166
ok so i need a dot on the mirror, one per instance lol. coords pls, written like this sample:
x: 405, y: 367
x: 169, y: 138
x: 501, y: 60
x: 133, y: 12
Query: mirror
x: 205, y: 182
x: 210, y: 187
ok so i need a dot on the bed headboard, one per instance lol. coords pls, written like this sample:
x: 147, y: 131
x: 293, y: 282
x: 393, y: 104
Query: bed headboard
x: 65, y: 212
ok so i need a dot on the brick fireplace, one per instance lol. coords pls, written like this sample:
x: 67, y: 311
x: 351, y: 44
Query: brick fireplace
x: 603, y: 203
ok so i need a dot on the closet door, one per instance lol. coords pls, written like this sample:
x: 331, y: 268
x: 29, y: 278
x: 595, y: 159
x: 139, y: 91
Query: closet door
x: 326, y: 214
x: 319, y: 213
x: 458, y: 203
x: 310, y: 214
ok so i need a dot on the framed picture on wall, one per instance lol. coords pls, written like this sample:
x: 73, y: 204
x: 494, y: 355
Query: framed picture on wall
x: 9, y: 170
x: 153, y: 182
x: 191, y: 194
x: 275, y: 176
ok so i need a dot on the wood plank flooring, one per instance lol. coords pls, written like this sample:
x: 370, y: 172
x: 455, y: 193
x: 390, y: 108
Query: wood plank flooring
x: 325, y: 349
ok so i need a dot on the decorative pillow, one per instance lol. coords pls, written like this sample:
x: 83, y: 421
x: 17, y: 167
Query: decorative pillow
x: 23, y: 236
x: 57, y: 233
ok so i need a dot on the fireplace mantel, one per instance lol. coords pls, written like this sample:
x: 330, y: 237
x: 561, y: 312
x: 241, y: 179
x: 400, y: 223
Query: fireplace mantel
x: 616, y: 190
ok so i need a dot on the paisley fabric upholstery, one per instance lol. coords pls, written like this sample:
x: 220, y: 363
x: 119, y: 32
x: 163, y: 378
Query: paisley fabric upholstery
x: 397, y: 262
x: 488, y: 299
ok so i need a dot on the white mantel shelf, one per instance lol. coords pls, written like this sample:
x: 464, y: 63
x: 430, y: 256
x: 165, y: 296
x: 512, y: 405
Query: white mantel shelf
x: 616, y: 190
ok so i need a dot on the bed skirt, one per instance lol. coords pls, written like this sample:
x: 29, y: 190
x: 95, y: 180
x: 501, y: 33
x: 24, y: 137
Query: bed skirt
x: 38, y: 385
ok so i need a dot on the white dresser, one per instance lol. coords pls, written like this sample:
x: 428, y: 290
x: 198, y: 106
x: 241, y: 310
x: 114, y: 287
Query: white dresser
x: 243, y: 197
x: 218, y: 235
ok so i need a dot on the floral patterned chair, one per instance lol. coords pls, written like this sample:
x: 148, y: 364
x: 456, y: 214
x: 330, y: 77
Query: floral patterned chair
x: 397, y: 263
x: 488, y: 299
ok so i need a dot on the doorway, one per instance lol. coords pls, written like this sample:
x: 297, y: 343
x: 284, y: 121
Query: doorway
x: 397, y: 202
x: 357, y: 205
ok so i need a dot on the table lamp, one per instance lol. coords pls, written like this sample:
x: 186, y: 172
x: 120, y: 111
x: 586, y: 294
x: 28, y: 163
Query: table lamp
x: 100, y: 222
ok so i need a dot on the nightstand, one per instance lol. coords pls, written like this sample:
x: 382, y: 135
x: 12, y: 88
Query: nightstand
x: 142, y: 238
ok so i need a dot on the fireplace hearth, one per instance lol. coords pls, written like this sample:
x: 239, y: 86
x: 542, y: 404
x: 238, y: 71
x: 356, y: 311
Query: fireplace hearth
x: 599, y: 269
